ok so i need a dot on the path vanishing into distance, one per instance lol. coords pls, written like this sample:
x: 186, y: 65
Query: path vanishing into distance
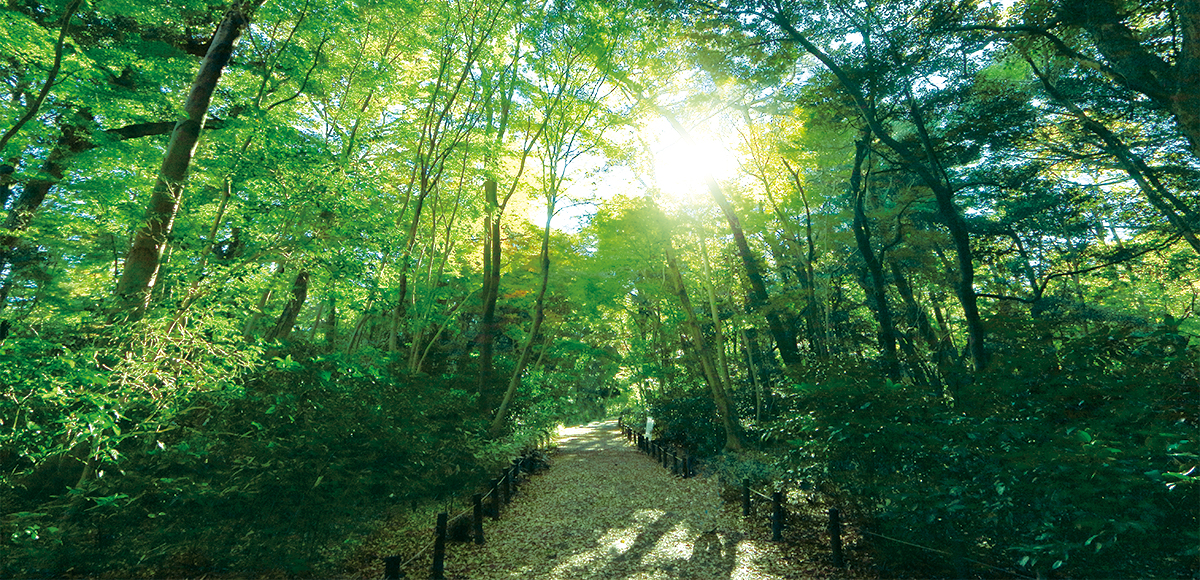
x: 604, y: 511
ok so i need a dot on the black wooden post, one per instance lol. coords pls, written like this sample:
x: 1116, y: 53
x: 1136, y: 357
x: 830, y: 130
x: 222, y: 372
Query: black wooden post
x: 745, y: 497
x: 495, y: 507
x: 666, y: 456
x: 505, y: 487
x: 690, y: 468
x: 675, y: 463
x: 835, y: 537
x: 439, y: 549
x: 391, y: 568
x: 477, y: 499
x: 777, y: 516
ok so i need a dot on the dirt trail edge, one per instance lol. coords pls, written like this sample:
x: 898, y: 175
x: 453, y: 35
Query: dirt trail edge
x: 603, y: 511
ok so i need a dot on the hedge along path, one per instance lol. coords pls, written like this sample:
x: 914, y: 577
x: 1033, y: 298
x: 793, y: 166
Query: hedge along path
x: 603, y: 511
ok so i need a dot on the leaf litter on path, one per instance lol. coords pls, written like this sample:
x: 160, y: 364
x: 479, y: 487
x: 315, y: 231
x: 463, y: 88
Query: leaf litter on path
x: 604, y: 511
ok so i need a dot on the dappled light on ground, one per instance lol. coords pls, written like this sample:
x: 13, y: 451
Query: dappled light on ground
x: 606, y: 512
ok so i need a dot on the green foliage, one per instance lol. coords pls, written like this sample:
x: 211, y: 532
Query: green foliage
x: 1083, y: 470
x: 690, y: 421
x: 757, y: 467
x: 261, y: 478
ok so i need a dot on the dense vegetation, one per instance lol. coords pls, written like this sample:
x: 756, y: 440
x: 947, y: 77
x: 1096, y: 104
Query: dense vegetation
x: 274, y: 268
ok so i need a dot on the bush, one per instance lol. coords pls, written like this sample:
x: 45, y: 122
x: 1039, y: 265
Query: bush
x: 689, y: 421
x: 266, y: 478
x: 1080, y: 472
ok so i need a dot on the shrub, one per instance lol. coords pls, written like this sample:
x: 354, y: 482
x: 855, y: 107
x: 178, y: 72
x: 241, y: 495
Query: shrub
x: 1082, y: 472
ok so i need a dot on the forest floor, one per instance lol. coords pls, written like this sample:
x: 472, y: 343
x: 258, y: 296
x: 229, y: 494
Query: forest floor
x: 604, y: 511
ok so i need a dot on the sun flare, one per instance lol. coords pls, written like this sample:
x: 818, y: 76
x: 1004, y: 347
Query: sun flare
x: 680, y: 167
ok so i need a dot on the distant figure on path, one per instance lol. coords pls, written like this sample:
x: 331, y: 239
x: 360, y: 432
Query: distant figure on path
x: 649, y: 428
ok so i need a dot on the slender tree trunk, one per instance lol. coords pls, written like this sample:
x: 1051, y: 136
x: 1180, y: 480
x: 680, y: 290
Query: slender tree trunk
x: 718, y: 332
x: 752, y: 371
x: 287, y: 318
x: 816, y: 327
x: 491, y: 287
x: 539, y: 314
x: 703, y: 350
x: 6, y: 181
x: 877, y: 287
x: 725, y: 408
x: 948, y: 212
x: 142, y: 261
x: 919, y: 319
x: 260, y: 308
x: 331, y: 329
x: 316, y: 325
x: 785, y: 337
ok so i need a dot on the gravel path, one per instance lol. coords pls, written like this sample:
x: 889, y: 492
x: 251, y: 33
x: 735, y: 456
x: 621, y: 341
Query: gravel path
x: 603, y: 511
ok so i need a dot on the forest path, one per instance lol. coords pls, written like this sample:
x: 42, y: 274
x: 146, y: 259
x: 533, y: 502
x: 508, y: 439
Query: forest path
x: 604, y: 511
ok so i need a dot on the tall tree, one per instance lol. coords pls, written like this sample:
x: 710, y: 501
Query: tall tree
x: 143, y: 259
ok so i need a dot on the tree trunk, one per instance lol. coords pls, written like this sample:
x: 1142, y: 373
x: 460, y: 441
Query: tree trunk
x: 260, y: 309
x: 33, y: 193
x: 287, y: 318
x: 877, y: 286
x: 142, y: 261
x: 539, y: 314
x: 725, y: 409
x: 1138, y: 68
x: 816, y: 328
x: 1166, y: 202
x: 718, y: 332
x: 785, y: 337
x: 491, y: 287
x: 1186, y: 99
x: 331, y: 330
x: 948, y: 213
x: 919, y: 319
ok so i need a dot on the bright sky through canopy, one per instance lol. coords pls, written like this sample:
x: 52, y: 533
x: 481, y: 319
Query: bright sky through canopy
x: 680, y: 167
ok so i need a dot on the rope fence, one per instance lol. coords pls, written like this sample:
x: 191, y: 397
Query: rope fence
x: 779, y: 512
x: 677, y: 460
x: 501, y: 490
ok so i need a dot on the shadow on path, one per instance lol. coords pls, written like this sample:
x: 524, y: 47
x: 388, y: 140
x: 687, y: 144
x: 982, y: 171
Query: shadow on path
x: 604, y: 511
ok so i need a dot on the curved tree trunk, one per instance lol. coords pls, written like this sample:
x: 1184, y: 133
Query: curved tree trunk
x: 937, y: 181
